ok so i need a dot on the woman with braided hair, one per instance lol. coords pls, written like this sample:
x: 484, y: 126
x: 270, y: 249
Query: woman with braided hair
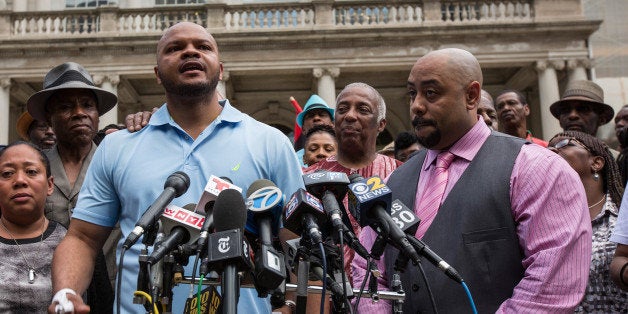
x: 602, y: 182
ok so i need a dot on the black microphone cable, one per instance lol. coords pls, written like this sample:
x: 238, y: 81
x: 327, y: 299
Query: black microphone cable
x: 119, y: 279
x: 324, y: 262
x: 366, y: 276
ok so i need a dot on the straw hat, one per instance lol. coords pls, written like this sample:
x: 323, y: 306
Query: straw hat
x: 69, y: 75
x: 23, y: 123
x: 587, y: 92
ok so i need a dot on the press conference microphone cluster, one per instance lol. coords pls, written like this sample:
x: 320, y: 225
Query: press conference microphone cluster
x: 176, y: 184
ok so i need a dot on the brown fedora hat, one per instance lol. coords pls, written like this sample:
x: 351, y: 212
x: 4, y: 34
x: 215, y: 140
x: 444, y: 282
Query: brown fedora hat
x: 22, y: 125
x: 587, y: 92
x: 69, y: 75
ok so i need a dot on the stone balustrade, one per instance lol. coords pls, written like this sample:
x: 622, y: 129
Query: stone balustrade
x: 487, y: 11
x: 267, y: 15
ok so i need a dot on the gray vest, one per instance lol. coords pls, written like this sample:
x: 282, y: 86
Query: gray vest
x: 474, y: 231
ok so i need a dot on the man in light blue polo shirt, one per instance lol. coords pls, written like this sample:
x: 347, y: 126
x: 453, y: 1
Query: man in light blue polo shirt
x: 193, y: 132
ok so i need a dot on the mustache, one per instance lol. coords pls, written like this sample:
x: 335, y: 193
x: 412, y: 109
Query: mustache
x: 418, y: 121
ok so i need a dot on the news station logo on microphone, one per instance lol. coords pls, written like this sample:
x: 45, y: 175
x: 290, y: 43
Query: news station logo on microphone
x: 265, y: 198
x: 214, y: 186
x: 184, y: 216
x: 365, y: 193
x: 302, y: 196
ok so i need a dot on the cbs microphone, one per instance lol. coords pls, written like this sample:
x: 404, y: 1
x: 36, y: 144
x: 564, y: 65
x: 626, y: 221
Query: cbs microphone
x: 370, y: 201
x: 176, y: 184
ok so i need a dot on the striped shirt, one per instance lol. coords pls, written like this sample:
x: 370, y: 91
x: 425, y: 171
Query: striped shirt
x: 549, y: 207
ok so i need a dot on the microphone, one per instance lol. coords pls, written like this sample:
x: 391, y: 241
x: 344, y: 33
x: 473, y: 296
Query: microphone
x: 331, y: 188
x: 303, y: 211
x: 176, y: 184
x: 214, y: 186
x: 404, y: 217
x: 370, y: 200
x: 180, y: 225
x: 265, y: 202
x: 227, y: 248
x: 407, y: 221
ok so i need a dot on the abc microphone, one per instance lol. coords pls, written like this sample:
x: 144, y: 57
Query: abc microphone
x: 370, y: 200
x: 176, y: 184
x: 265, y: 202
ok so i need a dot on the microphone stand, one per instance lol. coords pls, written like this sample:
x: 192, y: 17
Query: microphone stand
x: 230, y: 288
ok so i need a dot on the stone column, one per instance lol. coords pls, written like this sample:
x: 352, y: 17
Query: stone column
x: 548, y: 94
x: 326, y: 85
x: 5, y: 92
x: 578, y: 69
x: 222, y: 85
x: 110, y: 83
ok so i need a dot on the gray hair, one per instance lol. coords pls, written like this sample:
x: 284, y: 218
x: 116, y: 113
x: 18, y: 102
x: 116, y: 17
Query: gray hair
x: 381, y: 104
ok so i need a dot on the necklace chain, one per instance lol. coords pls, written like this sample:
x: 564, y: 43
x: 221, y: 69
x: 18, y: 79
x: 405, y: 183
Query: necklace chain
x: 598, y: 203
x: 31, y: 269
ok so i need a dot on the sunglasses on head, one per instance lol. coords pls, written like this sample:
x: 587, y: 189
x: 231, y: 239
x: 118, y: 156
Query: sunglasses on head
x: 569, y: 142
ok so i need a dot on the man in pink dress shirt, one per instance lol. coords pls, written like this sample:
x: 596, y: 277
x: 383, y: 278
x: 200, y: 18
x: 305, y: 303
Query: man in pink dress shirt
x: 513, y: 219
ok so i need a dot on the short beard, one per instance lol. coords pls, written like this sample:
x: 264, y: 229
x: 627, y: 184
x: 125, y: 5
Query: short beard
x: 190, y: 90
x: 431, y: 139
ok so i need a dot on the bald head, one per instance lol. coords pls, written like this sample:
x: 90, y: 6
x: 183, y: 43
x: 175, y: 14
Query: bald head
x: 444, y: 88
x: 184, y: 27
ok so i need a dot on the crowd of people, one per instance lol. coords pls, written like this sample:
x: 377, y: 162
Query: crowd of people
x: 506, y: 209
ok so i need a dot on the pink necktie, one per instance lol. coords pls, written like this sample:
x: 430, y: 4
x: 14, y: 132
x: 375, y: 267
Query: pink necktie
x: 433, y: 195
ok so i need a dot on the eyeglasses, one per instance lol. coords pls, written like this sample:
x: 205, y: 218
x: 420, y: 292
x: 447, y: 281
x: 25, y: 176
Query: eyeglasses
x: 569, y: 142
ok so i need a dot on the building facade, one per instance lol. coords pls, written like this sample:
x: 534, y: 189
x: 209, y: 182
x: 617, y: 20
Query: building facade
x: 272, y: 50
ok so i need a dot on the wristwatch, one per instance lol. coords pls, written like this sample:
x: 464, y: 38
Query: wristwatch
x: 291, y: 305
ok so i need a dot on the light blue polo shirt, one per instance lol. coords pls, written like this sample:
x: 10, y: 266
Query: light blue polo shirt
x: 128, y: 171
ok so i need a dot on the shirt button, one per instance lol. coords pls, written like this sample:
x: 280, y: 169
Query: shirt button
x: 415, y: 287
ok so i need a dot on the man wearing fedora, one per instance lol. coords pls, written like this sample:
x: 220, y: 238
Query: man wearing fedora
x: 315, y: 112
x: 37, y: 132
x: 582, y: 108
x: 72, y: 104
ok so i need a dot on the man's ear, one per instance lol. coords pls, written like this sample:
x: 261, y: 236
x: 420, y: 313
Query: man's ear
x: 157, y: 75
x: 473, y: 95
x: 381, y: 125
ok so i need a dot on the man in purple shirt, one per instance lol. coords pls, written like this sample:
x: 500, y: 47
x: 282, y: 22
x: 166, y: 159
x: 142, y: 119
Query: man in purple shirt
x: 513, y: 218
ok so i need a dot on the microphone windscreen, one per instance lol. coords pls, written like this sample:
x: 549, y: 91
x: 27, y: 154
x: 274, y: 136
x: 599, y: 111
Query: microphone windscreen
x: 229, y: 211
x: 355, y: 177
x: 179, y: 181
x: 190, y: 207
x: 257, y: 185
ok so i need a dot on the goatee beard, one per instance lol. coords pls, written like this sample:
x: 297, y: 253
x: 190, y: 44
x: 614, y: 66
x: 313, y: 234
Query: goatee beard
x: 191, y: 90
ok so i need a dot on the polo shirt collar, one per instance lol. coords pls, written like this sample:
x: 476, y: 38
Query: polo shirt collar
x: 228, y: 114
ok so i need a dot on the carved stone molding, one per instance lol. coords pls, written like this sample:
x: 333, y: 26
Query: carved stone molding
x: 319, y: 72
x: 542, y: 65
x: 577, y: 63
x: 99, y: 79
x: 5, y: 82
